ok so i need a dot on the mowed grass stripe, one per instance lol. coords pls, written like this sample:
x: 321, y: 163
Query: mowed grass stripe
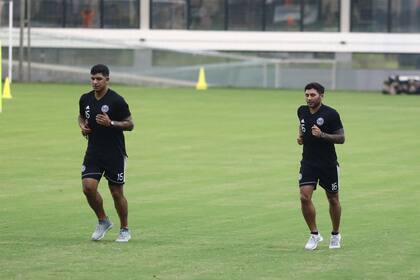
x: 211, y: 186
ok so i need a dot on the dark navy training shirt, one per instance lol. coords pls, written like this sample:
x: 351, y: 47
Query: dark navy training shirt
x: 317, y: 151
x: 104, y: 141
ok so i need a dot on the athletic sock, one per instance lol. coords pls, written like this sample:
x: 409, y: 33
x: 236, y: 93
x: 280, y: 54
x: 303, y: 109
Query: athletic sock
x: 314, y: 232
x: 334, y: 233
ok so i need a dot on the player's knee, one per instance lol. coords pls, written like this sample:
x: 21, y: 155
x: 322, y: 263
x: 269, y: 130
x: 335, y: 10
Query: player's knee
x: 334, y: 201
x: 115, y: 195
x: 116, y: 192
x: 88, y: 190
x: 305, y: 198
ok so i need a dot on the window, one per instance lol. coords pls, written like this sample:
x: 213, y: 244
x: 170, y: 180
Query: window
x: 405, y: 16
x: 369, y: 16
x: 47, y: 13
x: 81, y: 13
x: 207, y: 14
x: 297, y: 15
x: 245, y: 15
x: 283, y: 15
x: 169, y: 14
x: 121, y: 14
x: 321, y: 15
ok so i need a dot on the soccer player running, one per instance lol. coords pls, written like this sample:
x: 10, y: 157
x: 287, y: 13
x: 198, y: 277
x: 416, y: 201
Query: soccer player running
x: 320, y: 128
x: 103, y: 116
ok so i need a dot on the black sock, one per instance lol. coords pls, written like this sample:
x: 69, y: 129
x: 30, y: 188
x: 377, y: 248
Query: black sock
x: 314, y: 232
x: 334, y: 232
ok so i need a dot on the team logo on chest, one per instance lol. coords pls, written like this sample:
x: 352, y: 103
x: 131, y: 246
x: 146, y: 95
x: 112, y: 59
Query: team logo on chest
x: 104, y: 108
x: 320, y: 121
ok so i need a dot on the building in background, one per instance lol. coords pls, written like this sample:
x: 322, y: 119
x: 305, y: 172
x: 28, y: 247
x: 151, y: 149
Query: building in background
x: 347, y: 44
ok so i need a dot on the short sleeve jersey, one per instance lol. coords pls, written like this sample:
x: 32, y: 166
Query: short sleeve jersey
x: 316, y: 151
x: 104, y: 141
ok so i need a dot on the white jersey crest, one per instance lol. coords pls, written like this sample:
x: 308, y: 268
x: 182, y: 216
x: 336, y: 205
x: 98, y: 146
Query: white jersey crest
x: 320, y: 121
x: 104, y: 108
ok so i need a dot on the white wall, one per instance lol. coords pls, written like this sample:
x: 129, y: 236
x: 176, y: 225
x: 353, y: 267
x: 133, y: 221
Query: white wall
x: 221, y: 40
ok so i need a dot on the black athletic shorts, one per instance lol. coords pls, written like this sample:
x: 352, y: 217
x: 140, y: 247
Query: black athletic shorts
x: 112, y: 168
x: 327, y: 177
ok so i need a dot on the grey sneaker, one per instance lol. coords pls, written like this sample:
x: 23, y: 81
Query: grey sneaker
x: 335, y: 241
x: 124, y: 235
x: 313, y: 241
x: 101, y: 228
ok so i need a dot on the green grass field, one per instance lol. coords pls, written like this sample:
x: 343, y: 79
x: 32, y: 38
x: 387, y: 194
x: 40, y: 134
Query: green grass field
x: 212, y: 188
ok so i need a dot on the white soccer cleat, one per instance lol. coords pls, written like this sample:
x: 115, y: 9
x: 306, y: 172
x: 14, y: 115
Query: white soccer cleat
x: 313, y: 241
x: 335, y: 241
x: 124, y: 235
x: 101, y: 228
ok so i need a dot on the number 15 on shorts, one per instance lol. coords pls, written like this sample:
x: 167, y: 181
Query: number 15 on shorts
x: 120, y: 177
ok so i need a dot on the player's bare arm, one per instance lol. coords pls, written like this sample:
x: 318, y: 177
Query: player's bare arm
x: 300, y: 137
x: 337, y: 137
x: 127, y: 124
x: 84, y: 126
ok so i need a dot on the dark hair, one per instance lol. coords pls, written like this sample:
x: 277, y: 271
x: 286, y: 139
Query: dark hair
x: 317, y: 86
x: 100, y: 69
